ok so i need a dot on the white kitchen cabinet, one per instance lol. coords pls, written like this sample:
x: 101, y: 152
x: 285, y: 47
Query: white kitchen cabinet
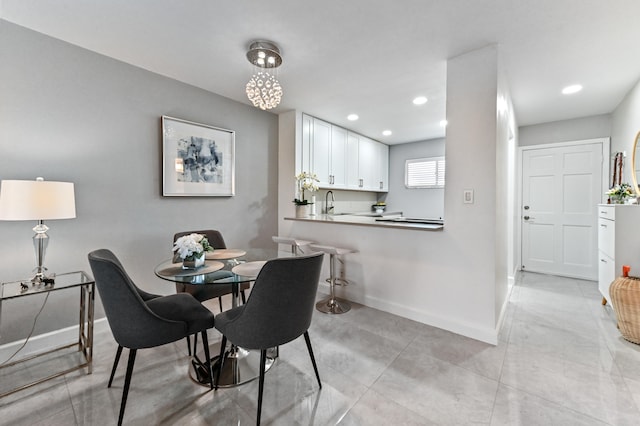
x: 342, y: 159
x: 328, y: 149
x: 618, y: 243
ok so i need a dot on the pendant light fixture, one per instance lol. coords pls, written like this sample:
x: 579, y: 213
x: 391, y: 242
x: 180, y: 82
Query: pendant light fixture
x: 263, y: 89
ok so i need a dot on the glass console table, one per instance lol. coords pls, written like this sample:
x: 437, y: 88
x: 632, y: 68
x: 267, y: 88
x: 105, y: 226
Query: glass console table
x: 86, y: 284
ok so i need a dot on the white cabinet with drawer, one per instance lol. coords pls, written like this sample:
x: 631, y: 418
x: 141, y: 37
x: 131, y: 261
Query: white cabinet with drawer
x: 618, y: 243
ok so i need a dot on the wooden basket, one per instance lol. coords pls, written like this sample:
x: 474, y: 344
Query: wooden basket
x: 625, y: 297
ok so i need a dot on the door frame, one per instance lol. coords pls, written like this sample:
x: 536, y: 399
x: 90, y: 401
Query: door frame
x: 605, y: 143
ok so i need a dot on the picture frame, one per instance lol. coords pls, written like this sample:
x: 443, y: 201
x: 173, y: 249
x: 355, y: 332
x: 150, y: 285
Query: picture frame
x: 198, y: 160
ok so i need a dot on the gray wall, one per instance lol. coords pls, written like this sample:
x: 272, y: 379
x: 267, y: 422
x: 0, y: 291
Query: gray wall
x: 72, y: 115
x: 626, y: 125
x: 414, y: 202
x: 597, y: 126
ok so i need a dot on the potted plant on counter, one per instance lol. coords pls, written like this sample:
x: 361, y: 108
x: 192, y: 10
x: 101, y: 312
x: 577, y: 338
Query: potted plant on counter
x: 304, y: 182
x: 620, y: 193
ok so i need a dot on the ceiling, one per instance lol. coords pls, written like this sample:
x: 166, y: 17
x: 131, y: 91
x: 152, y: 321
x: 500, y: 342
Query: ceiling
x: 369, y: 57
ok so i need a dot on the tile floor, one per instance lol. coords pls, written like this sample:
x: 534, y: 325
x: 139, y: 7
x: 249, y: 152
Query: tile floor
x: 559, y: 361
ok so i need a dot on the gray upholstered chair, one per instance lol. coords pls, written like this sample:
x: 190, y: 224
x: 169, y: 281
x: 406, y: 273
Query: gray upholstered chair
x: 278, y: 311
x: 207, y: 292
x: 141, y: 320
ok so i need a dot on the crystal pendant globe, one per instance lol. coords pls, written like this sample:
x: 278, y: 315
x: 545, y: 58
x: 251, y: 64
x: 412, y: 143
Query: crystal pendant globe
x: 264, y: 90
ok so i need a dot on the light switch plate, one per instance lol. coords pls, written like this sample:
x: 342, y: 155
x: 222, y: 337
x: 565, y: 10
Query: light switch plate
x: 467, y: 196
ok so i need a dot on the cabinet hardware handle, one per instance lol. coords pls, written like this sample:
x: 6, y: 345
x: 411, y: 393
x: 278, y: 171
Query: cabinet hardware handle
x: 603, y: 261
x: 603, y: 225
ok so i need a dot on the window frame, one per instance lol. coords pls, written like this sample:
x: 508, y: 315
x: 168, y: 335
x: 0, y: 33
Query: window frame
x: 440, y: 167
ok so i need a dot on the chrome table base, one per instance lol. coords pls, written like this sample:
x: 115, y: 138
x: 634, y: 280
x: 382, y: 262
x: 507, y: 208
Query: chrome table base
x: 240, y: 366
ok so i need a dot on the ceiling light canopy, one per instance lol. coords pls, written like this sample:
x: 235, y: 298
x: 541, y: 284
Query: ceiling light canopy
x: 387, y: 132
x: 352, y: 117
x: 263, y: 89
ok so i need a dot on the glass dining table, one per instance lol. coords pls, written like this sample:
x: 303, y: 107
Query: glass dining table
x: 223, y: 267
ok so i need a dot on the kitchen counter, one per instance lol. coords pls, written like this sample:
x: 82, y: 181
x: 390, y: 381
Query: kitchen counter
x: 396, y: 222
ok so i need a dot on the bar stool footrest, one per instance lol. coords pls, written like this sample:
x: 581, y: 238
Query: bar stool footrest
x: 338, y: 281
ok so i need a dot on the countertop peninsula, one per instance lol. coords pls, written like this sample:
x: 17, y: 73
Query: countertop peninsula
x: 396, y: 222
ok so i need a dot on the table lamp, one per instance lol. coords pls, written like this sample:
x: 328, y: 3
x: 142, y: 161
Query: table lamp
x: 38, y: 200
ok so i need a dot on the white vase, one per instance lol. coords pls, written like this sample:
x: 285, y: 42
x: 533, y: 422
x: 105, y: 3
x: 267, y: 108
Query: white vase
x: 193, y: 264
x: 302, y: 210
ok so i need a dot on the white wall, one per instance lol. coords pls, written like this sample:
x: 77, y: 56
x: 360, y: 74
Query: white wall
x: 72, y: 115
x: 452, y: 278
x: 427, y: 203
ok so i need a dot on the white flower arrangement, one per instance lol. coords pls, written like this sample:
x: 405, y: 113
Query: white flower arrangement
x: 305, y: 182
x: 620, y: 192
x: 192, y: 246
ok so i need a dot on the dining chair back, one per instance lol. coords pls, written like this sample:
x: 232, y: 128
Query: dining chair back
x: 278, y: 310
x: 141, y: 320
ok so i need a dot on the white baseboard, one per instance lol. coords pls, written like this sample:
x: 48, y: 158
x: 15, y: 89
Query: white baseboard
x: 46, y: 341
x: 465, y: 329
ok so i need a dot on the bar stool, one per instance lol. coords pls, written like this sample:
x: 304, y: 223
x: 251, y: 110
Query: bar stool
x: 295, y: 244
x: 331, y: 304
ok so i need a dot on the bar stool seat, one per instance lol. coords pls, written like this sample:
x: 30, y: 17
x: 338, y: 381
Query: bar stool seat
x: 332, y: 304
x: 295, y: 243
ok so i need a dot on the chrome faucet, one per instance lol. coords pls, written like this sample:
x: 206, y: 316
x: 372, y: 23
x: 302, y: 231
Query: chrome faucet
x: 327, y: 209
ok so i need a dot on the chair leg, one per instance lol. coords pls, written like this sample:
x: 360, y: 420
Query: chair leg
x: 244, y: 298
x: 115, y: 365
x: 220, y: 303
x: 223, y: 345
x: 127, y: 382
x: 313, y: 359
x: 195, y: 344
x: 205, y: 343
x: 263, y: 359
x: 189, y: 345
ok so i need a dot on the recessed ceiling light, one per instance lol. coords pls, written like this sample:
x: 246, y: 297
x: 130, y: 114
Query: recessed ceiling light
x: 420, y: 100
x: 444, y: 123
x: 574, y: 88
x: 352, y: 117
x: 387, y: 132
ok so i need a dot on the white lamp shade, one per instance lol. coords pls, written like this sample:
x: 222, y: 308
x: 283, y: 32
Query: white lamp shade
x: 36, y: 200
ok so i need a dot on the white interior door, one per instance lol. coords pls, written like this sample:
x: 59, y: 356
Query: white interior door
x: 561, y: 187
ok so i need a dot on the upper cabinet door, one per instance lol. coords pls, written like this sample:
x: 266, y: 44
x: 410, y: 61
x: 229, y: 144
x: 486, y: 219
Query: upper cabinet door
x: 368, y: 164
x: 338, y: 173
x: 321, y: 151
x: 352, y: 163
x: 305, y: 154
x: 383, y: 167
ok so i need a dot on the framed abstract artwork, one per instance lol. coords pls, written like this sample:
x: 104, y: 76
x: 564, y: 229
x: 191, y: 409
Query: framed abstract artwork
x: 197, y: 160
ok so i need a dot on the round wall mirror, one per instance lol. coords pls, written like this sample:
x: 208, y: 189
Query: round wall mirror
x: 635, y: 171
